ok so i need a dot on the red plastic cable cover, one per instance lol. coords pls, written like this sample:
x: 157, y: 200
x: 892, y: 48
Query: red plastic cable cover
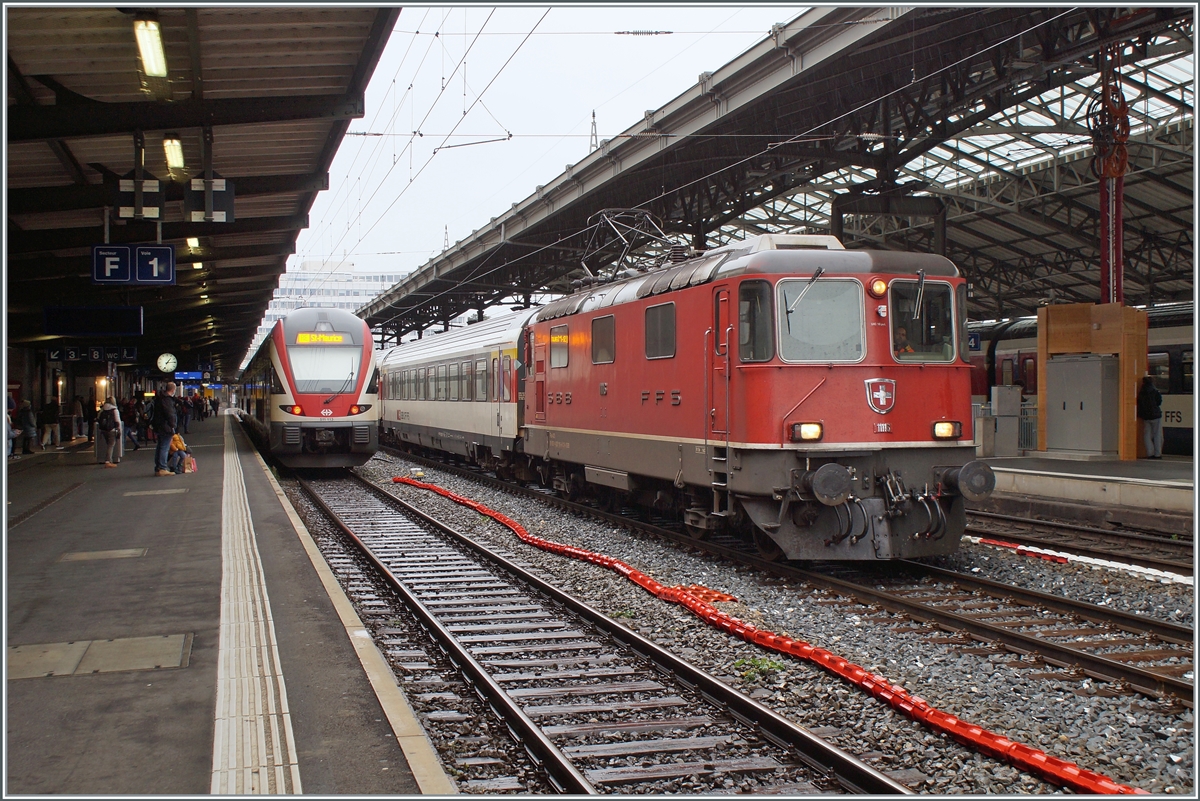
x: 1022, y: 756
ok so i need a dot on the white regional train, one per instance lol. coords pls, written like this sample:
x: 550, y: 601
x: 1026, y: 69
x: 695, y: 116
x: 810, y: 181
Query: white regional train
x: 477, y: 366
x: 310, y: 394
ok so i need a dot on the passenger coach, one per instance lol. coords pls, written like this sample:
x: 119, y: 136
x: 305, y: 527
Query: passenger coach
x: 309, y: 394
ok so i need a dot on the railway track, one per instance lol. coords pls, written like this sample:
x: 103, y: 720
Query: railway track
x: 1126, y: 547
x: 1145, y: 655
x: 597, y: 706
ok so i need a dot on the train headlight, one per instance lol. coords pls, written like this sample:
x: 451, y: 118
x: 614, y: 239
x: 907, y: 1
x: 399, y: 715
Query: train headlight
x: 296, y: 410
x: 359, y: 408
x: 947, y: 429
x: 878, y: 287
x: 807, y: 432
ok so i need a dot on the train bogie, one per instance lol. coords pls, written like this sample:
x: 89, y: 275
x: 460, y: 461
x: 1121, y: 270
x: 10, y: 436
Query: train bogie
x: 309, y: 395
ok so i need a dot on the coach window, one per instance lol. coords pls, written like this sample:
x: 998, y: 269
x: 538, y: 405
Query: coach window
x: 1159, y: 368
x: 467, y: 382
x: 505, y: 378
x: 481, y: 382
x: 755, y: 322
x: 924, y: 334
x: 604, y: 340
x: 431, y: 384
x: 660, y: 331
x: 560, y: 342
x: 821, y: 321
x: 454, y: 378
x: 442, y: 387
x: 1187, y: 372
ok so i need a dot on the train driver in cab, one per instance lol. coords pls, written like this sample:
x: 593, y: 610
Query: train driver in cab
x: 901, y: 342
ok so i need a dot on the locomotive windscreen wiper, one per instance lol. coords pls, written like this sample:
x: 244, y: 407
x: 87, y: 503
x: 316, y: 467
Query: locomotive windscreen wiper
x: 816, y: 274
x: 341, y: 389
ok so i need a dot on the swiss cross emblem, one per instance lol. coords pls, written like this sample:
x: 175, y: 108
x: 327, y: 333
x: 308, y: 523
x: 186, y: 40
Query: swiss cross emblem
x: 881, y: 394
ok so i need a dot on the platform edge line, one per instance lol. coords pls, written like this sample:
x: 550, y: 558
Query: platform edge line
x: 423, y: 761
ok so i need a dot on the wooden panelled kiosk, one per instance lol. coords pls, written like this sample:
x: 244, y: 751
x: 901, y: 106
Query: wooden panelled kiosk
x: 1106, y: 329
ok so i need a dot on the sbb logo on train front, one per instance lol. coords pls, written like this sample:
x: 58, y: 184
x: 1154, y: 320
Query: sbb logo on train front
x: 881, y: 394
x: 327, y: 412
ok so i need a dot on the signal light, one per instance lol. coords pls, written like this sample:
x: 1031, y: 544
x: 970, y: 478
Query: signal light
x: 878, y: 287
x: 296, y: 410
x: 807, y: 432
x: 947, y: 429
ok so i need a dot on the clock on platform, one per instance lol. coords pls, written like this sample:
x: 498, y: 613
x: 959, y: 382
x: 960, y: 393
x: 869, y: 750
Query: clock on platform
x: 167, y: 363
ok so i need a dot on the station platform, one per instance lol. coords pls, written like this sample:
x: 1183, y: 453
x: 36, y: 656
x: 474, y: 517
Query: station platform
x: 1147, y: 493
x: 182, y: 635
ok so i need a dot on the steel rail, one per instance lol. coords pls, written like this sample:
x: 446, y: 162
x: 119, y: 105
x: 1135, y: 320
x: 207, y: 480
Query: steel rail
x: 1128, y: 621
x: 853, y: 774
x: 1029, y: 538
x: 559, y: 770
x: 1132, y: 535
x: 1144, y: 681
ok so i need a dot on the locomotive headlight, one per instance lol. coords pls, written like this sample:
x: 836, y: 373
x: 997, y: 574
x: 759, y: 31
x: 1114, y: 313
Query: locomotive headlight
x: 360, y: 408
x: 947, y: 429
x: 807, y: 432
x: 878, y: 287
x: 292, y: 410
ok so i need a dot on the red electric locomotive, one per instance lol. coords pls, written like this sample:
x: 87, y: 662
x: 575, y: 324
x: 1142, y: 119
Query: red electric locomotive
x: 814, y: 398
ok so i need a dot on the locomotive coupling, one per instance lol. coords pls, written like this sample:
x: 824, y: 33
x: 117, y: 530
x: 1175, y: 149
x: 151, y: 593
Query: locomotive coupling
x: 830, y: 483
x: 974, y: 480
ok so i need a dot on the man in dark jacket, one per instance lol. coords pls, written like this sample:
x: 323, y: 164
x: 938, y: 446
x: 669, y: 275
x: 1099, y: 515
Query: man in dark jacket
x: 1149, y: 408
x: 164, y: 427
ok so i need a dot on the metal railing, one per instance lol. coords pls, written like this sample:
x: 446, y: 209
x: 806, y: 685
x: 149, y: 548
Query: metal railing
x: 1026, y: 427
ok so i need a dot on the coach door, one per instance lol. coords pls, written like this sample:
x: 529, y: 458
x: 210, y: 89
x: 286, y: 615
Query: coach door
x: 539, y: 382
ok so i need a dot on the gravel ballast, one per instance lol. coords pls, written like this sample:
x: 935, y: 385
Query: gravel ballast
x: 1128, y: 738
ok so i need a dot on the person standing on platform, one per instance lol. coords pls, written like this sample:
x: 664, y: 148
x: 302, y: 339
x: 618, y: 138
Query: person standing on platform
x: 109, y: 425
x: 129, y: 417
x: 77, y: 421
x: 164, y: 427
x: 216, y: 405
x: 185, y: 411
x: 27, y: 424
x: 50, y: 412
x: 1149, y: 408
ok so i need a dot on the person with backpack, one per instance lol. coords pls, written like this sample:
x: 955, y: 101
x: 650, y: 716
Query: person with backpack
x: 163, y: 418
x: 109, y: 424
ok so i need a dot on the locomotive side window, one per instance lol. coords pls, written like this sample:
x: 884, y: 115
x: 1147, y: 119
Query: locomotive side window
x: 373, y: 384
x: 560, y: 341
x: 481, y: 381
x: 454, y: 379
x: 755, y: 322
x: 825, y: 325
x: 925, y: 334
x: 660, y: 331
x: 276, y: 384
x: 604, y: 340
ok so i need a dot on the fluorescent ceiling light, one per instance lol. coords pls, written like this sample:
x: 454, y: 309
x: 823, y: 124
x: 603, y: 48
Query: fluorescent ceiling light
x: 174, y: 150
x: 197, y: 265
x: 193, y: 242
x: 149, y: 41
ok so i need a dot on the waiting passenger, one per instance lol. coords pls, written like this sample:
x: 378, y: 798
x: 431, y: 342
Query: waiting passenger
x: 1149, y: 408
x: 109, y: 424
x: 179, y: 452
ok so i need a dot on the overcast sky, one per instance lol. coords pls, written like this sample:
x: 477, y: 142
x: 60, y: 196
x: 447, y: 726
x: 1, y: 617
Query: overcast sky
x: 536, y: 73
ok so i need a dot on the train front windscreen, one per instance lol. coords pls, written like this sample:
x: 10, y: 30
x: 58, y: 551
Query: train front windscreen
x: 324, y: 362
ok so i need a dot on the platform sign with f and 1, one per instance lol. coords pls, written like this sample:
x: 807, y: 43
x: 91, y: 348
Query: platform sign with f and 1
x: 111, y: 264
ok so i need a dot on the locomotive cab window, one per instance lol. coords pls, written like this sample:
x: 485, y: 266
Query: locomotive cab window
x: 923, y: 321
x: 755, y: 322
x: 660, y: 331
x: 821, y: 320
x: 604, y: 340
x: 560, y: 341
